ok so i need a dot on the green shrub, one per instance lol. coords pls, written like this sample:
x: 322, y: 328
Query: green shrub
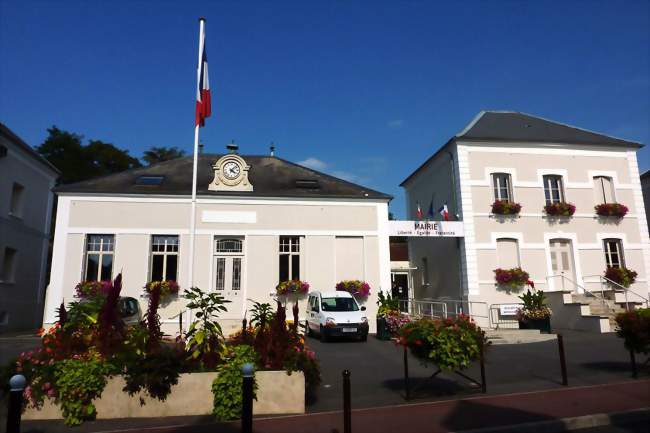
x: 451, y: 344
x: 78, y: 383
x: 154, y: 373
x: 205, y: 340
x: 227, y: 387
x: 634, y: 328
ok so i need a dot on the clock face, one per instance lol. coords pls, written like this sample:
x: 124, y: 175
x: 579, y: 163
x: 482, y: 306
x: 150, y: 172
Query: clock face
x: 231, y: 170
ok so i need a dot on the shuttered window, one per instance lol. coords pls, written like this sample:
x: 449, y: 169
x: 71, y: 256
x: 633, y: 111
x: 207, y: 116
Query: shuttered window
x: 508, y: 253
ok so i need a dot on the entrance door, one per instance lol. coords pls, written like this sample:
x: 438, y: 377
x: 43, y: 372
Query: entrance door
x: 400, y: 286
x: 228, y: 265
x: 562, y: 264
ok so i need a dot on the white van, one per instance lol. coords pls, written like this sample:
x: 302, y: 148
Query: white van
x: 335, y: 314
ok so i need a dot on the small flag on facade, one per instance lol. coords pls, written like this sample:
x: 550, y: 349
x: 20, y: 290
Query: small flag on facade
x: 444, y: 212
x: 203, y: 105
x: 419, y: 211
x: 430, y: 210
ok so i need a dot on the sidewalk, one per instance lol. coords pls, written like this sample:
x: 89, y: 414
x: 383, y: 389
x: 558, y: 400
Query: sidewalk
x: 479, y: 412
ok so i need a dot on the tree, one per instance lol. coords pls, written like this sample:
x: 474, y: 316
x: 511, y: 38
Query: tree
x: 65, y: 150
x: 160, y: 154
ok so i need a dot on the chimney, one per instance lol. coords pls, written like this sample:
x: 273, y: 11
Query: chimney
x: 232, y: 147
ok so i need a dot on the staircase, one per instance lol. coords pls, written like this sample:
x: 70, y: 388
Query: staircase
x: 600, y: 307
x: 517, y: 336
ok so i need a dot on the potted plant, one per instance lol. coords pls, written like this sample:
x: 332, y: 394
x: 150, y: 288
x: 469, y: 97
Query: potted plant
x: 534, y: 314
x: 616, y: 210
x: 292, y: 287
x: 560, y: 209
x: 167, y: 288
x: 388, y: 306
x: 503, y: 207
x: 623, y: 276
x: 511, y: 279
x: 357, y: 288
x: 451, y: 344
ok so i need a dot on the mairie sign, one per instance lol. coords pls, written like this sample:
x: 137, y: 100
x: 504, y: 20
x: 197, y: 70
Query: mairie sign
x: 434, y: 229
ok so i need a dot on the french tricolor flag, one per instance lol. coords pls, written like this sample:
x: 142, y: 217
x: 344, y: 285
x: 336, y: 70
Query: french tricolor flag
x: 444, y: 212
x: 203, y: 108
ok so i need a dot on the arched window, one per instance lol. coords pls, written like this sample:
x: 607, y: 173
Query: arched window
x: 229, y: 246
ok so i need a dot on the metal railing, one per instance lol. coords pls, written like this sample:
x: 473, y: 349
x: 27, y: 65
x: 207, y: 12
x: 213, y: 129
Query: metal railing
x: 499, y: 321
x: 613, y: 285
x: 180, y: 320
x: 442, y: 308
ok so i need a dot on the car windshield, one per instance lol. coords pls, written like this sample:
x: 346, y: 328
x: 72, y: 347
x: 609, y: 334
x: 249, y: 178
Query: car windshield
x: 339, y: 304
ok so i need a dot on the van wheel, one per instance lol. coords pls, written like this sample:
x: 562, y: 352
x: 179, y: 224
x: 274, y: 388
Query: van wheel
x: 323, y: 336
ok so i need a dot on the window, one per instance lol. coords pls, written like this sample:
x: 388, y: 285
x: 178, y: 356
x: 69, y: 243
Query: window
x: 613, y: 253
x: 507, y: 253
x: 99, y: 257
x: 339, y: 304
x: 229, y: 246
x: 8, y: 271
x: 149, y: 180
x: 553, y: 189
x: 17, y: 200
x: 289, y: 258
x: 502, y: 186
x: 604, y: 189
x: 164, y: 258
x: 425, y: 271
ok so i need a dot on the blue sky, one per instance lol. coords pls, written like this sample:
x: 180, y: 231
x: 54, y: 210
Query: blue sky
x: 365, y: 90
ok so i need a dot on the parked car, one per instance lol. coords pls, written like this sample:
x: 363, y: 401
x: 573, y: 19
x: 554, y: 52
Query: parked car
x: 335, y: 313
x: 130, y: 310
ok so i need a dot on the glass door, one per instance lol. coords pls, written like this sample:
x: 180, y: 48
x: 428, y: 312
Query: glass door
x: 228, y: 274
x: 562, y: 264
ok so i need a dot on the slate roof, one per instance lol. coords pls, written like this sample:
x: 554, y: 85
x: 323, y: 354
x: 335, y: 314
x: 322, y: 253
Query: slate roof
x: 271, y: 177
x: 11, y: 136
x: 511, y: 126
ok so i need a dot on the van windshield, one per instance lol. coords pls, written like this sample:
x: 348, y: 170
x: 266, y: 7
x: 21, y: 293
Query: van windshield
x: 339, y: 304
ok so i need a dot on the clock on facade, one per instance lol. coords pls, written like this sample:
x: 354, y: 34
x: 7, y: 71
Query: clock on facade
x: 230, y: 174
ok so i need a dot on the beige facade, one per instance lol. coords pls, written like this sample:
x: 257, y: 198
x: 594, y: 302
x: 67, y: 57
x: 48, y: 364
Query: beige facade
x: 566, y: 253
x: 339, y: 239
x: 26, y: 181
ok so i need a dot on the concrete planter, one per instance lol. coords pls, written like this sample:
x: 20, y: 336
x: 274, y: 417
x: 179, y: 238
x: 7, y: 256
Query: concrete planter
x: 277, y: 393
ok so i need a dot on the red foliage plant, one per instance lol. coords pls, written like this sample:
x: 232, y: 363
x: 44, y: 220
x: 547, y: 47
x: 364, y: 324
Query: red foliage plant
x: 111, y: 327
x: 611, y: 210
x: 152, y: 319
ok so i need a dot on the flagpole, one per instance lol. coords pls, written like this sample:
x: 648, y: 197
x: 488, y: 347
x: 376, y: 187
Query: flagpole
x: 196, y: 160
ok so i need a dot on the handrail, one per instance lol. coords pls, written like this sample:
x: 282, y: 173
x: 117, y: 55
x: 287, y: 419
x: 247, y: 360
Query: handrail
x: 176, y: 315
x: 625, y: 290
x: 440, y: 307
x: 585, y: 290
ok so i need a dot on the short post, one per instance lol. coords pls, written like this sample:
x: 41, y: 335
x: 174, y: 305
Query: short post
x: 180, y: 324
x: 635, y: 373
x: 248, y: 372
x: 407, y: 387
x: 347, y: 409
x: 482, y: 360
x: 16, y: 386
x: 560, y: 346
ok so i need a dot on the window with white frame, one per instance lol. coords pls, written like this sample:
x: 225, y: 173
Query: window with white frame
x: 164, y: 258
x: 502, y: 184
x: 98, y: 264
x: 604, y: 189
x: 17, y: 200
x: 8, y: 270
x: 613, y: 253
x: 553, y: 189
x: 289, y: 258
x: 508, y: 253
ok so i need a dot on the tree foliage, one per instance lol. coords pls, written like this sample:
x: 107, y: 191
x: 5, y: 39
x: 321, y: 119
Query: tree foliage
x: 160, y: 154
x: 78, y: 162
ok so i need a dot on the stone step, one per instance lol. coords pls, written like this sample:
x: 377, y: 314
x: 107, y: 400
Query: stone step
x: 517, y: 336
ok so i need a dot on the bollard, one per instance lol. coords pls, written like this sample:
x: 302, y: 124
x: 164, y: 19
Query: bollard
x: 248, y: 371
x: 407, y: 387
x: 635, y: 374
x: 560, y: 346
x: 483, y: 383
x: 16, y: 386
x: 347, y: 415
x: 180, y: 325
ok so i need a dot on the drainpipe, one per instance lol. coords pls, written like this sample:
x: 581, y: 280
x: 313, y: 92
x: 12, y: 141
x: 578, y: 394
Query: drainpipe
x: 456, y: 203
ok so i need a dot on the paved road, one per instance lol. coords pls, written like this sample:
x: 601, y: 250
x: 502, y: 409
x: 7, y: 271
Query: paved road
x: 378, y: 378
x: 11, y: 345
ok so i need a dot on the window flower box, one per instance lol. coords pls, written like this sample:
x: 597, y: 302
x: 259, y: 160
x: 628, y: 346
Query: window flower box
x: 611, y: 210
x: 167, y: 287
x: 623, y: 276
x: 356, y: 288
x: 502, y: 207
x: 91, y: 289
x: 512, y: 279
x: 292, y: 287
x: 560, y: 209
